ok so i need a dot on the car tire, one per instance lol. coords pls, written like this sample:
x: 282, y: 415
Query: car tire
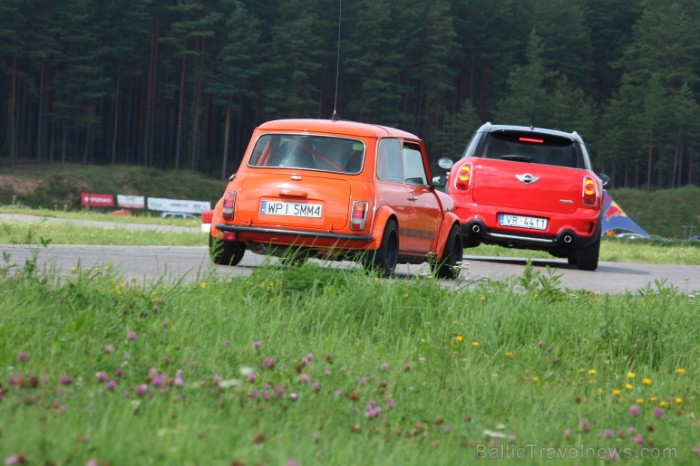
x: 448, y: 266
x: 384, y: 260
x: 225, y: 252
x: 587, y: 258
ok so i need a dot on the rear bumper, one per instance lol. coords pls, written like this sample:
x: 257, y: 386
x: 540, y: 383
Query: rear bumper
x: 297, y: 237
x: 475, y: 232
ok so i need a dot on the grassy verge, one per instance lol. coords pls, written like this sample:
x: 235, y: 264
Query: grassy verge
x: 33, y: 231
x: 315, y: 366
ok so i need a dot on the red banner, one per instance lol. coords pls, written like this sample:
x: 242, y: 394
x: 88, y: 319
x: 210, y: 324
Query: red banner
x: 96, y: 200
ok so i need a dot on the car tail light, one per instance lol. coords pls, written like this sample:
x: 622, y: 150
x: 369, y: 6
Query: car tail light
x: 358, y: 216
x: 229, y: 204
x: 531, y: 140
x: 590, y: 191
x: 464, y: 177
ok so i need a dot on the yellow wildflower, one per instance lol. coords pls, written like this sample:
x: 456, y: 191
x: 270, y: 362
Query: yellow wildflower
x: 475, y: 344
x: 592, y: 372
x: 616, y: 391
x: 678, y: 400
x: 663, y: 404
x: 639, y: 401
x: 631, y: 375
x: 459, y: 338
x: 628, y: 386
x: 509, y: 354
x: 680, y: 370
x: 646, y: 381
x: 535, y: 379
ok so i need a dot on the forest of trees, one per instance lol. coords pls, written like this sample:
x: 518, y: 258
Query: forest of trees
x: 180, y: 84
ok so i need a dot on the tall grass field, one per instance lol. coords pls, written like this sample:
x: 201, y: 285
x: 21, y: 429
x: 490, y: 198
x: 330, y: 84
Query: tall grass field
x: 311, y: 365
x: 319, y: 366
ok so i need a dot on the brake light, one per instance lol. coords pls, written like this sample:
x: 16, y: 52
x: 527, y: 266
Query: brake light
x: 533, y: 140
x: 228, y: 205
x: 358, y: 216
x: 464, y: 177
x: 590, y: 191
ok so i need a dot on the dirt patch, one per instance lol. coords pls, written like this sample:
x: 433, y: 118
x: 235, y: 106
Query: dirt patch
x: 19, y: 185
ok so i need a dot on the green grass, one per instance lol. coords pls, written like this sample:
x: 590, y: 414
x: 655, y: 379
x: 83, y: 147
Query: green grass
x: 36, y: 230
x: 16, y: 231
x: 359, y: 370
x: 666, y: 212
x: 59, y: 186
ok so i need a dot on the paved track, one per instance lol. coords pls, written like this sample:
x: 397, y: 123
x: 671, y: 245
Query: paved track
x: 167, y: 263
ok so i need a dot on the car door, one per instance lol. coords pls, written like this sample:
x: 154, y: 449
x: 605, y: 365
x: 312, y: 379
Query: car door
x: 425, y: 209
x: 391, y: 189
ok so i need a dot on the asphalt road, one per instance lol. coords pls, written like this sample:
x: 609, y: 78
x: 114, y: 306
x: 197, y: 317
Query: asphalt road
x: 170, y: 264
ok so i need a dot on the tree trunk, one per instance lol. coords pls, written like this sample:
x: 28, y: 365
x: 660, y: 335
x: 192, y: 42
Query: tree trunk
x: 227, y: 133
x: 650, y: 151
x: 180, y: 112
x: 115, y: 128
x: 42, y: 111
x: 151, y: 97
x: 196, y: 105
x: 13, y: 115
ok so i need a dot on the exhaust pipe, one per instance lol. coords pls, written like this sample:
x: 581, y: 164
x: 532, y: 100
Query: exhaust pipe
x: 476, y: 228
x: 568, y: 239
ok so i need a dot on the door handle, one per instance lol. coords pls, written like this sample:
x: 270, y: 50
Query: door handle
x: 412, y: 198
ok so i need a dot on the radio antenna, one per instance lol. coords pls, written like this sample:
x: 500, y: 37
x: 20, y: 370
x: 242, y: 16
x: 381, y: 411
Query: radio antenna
x: 337, y: 63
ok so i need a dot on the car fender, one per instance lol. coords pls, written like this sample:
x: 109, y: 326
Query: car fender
x: 216, y: 218
x: 381, y: 217
x: 449, y: 221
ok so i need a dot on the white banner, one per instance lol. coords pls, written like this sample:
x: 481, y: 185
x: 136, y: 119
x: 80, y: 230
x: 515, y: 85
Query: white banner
x: 131, y: 202
x: 176, y: 205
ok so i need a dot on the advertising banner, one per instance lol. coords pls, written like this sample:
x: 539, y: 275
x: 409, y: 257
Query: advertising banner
x: 96, y: 200
x: 177, y: 205
x: 131, y: 202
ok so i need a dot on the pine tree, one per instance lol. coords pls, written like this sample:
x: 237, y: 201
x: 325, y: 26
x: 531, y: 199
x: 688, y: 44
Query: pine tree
x: 236, y: 70
x: 527, y: 102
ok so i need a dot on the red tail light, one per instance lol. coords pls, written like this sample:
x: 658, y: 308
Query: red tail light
x: 358, y: 216
x: 229, y: 205
x: 590, y: 191
x: 464, y: 177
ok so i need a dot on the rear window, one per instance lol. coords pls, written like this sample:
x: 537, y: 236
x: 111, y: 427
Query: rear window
x: 308, y: 152
x: 530, y: 147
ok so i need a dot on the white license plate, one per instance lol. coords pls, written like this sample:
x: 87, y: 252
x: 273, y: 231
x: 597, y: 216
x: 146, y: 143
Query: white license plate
x: 520, y: 221
x: 292, y: 209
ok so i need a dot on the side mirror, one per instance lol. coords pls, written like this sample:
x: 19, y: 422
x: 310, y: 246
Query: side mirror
x: 605, y: 179
x: 445, y: 163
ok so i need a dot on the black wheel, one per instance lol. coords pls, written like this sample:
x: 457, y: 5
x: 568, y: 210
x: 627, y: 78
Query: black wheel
x: 448, y: 266
x: 587, y: 258
x: 225, y: 252
x: 384, y: 259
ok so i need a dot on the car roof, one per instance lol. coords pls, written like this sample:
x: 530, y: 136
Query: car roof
x: 340, y: 127
x: 491, y: 128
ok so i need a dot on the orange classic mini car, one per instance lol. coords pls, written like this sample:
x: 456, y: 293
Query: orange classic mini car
x: 339, y: 190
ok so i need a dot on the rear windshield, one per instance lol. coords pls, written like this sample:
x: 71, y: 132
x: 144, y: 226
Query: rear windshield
x: 308, y: 152
x: 530, y: 147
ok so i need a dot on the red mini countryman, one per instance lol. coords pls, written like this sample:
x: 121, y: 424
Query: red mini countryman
x: 529, y: 188
x: 338, y: 190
